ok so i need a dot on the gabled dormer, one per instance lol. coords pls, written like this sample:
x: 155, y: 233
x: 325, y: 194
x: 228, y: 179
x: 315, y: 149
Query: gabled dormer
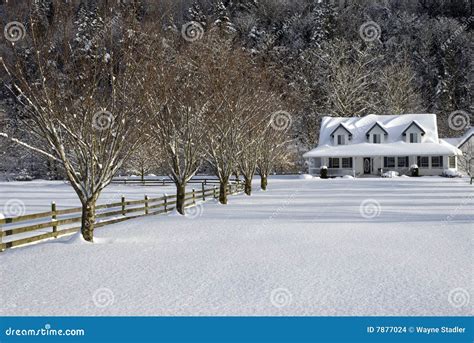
x: 341, y: 135
x: 413, y: 133
x: 376, y: 134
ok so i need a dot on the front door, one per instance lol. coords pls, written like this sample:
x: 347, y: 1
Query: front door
x: 367, y: 165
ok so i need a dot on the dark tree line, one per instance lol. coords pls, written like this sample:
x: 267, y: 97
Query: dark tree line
x: 419, y: 61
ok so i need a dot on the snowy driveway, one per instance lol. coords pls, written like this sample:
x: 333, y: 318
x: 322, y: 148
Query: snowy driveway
x: 305, y: 247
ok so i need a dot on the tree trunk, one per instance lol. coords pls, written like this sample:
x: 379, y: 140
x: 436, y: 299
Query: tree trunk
x: 180, y: 197
x: 88, y: 219
x: 223, y: 192
x: 263, y: 182
x: 237, y: 176
x: 142, y: 174
x: 248, y: 186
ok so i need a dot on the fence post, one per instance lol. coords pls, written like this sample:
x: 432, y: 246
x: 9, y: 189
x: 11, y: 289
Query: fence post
x: 203, y: 192
x: 205, y: 181
x: 215, y: 192
x: 53, y: 217
x: 163, y: 181
x: 194, y: 196
x: 146, y: 204
x: 123, y: 205
x: 2, y: 247
x: 165, y: 201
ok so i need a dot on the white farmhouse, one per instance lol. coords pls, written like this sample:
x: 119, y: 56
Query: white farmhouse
x: 374, y: 144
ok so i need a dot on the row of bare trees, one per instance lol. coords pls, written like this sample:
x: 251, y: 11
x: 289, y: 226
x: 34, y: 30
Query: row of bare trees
x: 210, y: 103
x: 180, y: 102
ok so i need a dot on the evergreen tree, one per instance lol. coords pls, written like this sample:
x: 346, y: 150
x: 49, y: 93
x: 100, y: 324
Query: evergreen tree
x: 89, y: 26
x: 323, y: 18
x: 222, y: 20
x: 43, y: 12
x: 195, y: 13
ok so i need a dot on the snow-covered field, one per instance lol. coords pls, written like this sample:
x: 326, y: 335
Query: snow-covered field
x: 38, y: 195
x: 397, y: 246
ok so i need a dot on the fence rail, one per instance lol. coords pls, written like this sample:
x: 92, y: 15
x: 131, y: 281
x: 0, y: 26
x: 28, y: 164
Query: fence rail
x: 164, y: 181
x: 117, y: 212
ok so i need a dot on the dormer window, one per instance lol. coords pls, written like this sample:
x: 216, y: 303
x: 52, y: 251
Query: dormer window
x: 376, y: 134
x: 413, y: 133
x: 341, y: 135
x: 341, y: 139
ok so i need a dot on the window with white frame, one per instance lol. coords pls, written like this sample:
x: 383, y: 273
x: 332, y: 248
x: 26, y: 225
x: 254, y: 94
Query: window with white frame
x: 436, y: 161
x: 389, y: 162
x: 402, y: 161
x: 423, y: 162
x: 334, y: 162
x: 316, y: 162
x: 414, y: 137
x: 377, y: 138
x: 452, y: 161
x: 341, y: 139
x: 347, y: 162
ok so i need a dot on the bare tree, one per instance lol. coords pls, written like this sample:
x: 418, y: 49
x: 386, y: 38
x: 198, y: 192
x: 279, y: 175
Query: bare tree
x: 466, y: 161
x: 177, y: 110
x: 238, y: 98
x: 258, y: 119
x: 398, y: 93
x: 273, y: 150
x: 350, y: 83
x: 87, y: 110
x: 145, y: 158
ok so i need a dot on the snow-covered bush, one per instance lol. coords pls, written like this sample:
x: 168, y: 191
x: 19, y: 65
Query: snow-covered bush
x: 23, y: 175
x: 451, y: 173
x: 390, y: 174
x: 415, y: 171
x: 324, y: 172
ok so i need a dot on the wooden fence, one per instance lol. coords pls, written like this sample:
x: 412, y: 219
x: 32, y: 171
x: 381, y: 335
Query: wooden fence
x: 164, y: 181
x: 49, y: 223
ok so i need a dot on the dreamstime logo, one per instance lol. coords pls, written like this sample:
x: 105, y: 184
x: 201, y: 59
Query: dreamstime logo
x: 459, y: 120
x: 281, y: 120
x: 456, y: 33
x: 454, y: 213
x: 14, y: 208
x: 370, y: 31
x: 103, y: 120
x: 281, y: 297
x: 370, y: 208
x: 103, y: 297
x: 14, y: 31
x: 192, y: 31
x: 194, y: 211
x: 459, y: 297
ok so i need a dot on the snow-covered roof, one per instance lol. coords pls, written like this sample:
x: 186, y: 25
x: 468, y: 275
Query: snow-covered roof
x: 459, y: 141
x: 395, y: 125
x: 415, y: 123
x: 386, y: 149
x: 394, y: 142
x: 379, y: 124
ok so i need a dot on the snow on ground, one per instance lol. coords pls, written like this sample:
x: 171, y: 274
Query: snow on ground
x: 399, y: 246
x: 36, y: 196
